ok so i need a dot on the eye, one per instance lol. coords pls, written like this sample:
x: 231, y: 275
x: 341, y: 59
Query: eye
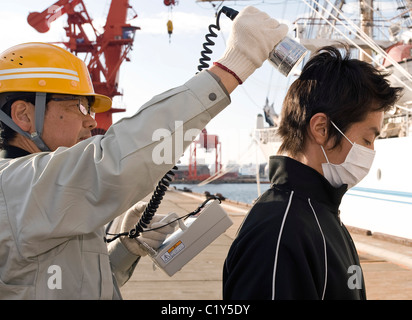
x: 367, y: 142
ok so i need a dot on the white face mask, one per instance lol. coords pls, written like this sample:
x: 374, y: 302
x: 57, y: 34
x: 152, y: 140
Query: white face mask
x: 355, y: 167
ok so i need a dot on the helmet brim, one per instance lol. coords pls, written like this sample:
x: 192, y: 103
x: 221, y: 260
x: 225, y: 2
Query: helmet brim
x: 102, y: 103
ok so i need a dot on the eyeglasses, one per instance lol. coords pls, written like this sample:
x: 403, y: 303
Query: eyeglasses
x: 83, y: 104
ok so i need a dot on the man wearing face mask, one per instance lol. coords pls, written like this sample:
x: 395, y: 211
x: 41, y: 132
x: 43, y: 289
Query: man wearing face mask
x: 292, y: 244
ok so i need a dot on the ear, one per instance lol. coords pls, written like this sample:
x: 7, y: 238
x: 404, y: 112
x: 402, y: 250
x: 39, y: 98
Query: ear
x: 318, y: 128
x: 22, y: 113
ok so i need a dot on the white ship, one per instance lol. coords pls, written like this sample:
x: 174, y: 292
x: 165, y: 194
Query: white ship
x: 379, y: 32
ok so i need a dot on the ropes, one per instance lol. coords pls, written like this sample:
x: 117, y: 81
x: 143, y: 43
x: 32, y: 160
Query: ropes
x: 363, y: 36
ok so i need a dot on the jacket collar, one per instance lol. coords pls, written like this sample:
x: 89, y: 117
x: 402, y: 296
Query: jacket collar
x: 294, y: 175
x: 12, y: 152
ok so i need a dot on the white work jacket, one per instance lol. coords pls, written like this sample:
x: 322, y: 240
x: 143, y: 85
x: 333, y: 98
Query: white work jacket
x: 53, y: 205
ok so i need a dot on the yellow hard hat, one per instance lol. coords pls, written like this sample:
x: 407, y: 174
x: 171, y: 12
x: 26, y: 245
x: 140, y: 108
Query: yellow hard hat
x: 43, y: 67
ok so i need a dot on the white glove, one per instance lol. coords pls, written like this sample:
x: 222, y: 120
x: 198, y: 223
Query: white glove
x: 153, y: 238
x: 254, y: 35
x: 156, y: 237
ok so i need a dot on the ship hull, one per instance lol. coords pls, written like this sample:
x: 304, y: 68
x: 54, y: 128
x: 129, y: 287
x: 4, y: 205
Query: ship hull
x: 382, y: 201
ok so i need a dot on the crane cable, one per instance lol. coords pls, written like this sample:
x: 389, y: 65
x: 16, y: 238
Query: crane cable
x: 169, y: 23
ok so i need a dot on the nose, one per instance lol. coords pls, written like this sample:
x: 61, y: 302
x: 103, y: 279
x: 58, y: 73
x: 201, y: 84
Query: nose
x: 89, y: 122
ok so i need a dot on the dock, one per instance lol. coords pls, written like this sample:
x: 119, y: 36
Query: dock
x: 386, y: 261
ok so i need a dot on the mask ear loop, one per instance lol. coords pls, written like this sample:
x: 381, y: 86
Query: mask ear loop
x: 324, y: 153
x: 323, y: 150
x: 341, y: 132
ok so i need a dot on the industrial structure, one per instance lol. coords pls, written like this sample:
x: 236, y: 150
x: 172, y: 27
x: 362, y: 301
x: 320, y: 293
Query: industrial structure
x: 209, y: 143
x: 105, y: 52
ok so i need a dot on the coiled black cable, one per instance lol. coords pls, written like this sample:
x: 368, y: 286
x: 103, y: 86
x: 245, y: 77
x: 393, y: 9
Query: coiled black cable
x: 203, y: 61
x: 153, y: 204
x: 164, y: 183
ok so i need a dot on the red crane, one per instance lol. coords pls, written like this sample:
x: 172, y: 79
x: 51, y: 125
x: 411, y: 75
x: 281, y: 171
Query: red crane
x: 208, y: 142
x: 104, y: 54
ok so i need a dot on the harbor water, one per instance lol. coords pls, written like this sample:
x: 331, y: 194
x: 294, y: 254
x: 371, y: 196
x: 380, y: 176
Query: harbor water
x: 241, y: 192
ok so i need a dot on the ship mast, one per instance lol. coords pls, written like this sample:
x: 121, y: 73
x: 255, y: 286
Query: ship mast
x: 366, y: 16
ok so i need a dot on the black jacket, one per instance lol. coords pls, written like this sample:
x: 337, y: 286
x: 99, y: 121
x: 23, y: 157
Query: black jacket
x: 292, y: 244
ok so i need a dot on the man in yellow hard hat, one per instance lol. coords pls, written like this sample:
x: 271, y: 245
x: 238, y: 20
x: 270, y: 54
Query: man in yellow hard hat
x: 41, y: 73
x: 60, y: 186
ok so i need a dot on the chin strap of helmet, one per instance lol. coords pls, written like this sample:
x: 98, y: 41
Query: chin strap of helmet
x: 40, y: 110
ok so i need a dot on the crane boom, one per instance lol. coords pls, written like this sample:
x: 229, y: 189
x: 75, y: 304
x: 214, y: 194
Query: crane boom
x: 104, y: 54
x: 41, y: 20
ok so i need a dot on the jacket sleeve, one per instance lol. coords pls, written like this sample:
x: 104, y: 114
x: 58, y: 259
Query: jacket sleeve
x: 72, y: 191
x: 122, y: 261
